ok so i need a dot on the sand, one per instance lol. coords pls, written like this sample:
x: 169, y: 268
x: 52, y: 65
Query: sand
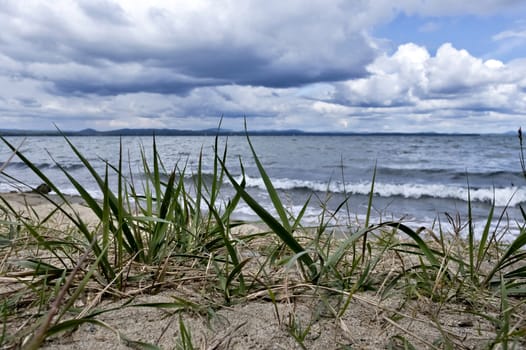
x: 257, y: 321
x: 36, y: 206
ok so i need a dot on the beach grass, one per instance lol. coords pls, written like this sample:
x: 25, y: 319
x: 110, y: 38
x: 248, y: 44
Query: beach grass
x: 160, y: 234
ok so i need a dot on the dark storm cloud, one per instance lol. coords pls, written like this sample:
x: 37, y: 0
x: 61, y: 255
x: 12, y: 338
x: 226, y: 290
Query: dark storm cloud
x: 29, y: 102
x: 115, y: 87
x: 212, y: 66
x: 100, y: 35
x: 104, y: 10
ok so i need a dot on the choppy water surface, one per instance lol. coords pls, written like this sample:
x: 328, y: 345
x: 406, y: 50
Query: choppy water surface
x: 418, y: 178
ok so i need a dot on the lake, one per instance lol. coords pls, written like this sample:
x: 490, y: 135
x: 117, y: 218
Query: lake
x: 419, y: 178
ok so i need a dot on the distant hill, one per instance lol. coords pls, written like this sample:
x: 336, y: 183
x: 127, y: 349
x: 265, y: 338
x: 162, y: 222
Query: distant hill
x: 204, y: 132
x: 141, y: 132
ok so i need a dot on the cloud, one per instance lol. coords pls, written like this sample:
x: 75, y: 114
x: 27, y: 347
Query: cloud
x: 304, y: 65
x: 454, y: 7
x: 512, y: 40
x: 429, y: 27
x: 106, y: 47
x: 409, y: 90
x: 510, y: 34
x: 411, y: 74
x: 394, y: 80
x: 451, y: 85
x: 104, y: 11
x: 454, y: 71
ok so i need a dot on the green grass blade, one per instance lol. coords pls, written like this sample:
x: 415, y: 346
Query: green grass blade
x: 273, y: 224
x: 368, y: 215
x: 485, y: 234
x: 236, y: 271
x: 156, y: 173
x: 370, y: 200
x: 421, y: 244
x: 334, y: 258
x: 471, y: 237
x: 113, y: 200
x: 280, y: 209
x: 509, y: 256
x: 158, y: 236
x: 230, y: 249
x: 10, y: 158
x: 118, y: 239
x: 297, y: 221
x: 36, y: 171
x: 79, y: 223
x: 71, y: 325
x: 199, y: 185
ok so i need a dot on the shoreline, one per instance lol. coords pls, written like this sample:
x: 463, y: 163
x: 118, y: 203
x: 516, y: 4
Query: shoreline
x: 35, y: 206
x: 24, y: 201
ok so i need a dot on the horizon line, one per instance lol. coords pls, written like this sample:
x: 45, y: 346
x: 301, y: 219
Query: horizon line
x: 219, y: 131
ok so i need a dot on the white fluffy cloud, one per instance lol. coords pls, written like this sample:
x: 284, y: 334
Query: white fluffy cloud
x: 451, y: 84
x: 411, y: 73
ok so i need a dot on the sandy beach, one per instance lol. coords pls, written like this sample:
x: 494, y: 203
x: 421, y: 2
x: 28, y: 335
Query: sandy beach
x: 187, y: 308
x: 35, y: 206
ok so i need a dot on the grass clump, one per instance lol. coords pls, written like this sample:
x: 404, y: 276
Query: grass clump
x: 165, y: 237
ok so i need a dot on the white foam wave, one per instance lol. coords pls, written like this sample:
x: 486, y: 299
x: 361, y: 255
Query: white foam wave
x: 13, y: 187
x: 311, y: 216
x: 512, y: 195
x: 97, y: 194
x: 503, y: 196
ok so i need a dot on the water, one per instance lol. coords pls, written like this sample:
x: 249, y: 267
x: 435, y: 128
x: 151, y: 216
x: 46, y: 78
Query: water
x: 418, y: 178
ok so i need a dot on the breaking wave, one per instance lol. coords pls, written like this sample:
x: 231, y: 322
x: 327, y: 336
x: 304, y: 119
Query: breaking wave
x: 511, y: 195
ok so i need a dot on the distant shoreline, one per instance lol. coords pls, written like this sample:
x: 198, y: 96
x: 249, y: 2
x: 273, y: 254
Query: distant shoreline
x: 214, y: 132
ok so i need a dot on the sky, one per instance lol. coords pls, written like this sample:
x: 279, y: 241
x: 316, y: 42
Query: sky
x: 313, y: 65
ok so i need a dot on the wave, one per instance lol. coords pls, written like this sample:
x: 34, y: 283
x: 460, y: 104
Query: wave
x: 45, y: 166
x: 503, y: 196
x: 463, y: 175
x: 11, y: 187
